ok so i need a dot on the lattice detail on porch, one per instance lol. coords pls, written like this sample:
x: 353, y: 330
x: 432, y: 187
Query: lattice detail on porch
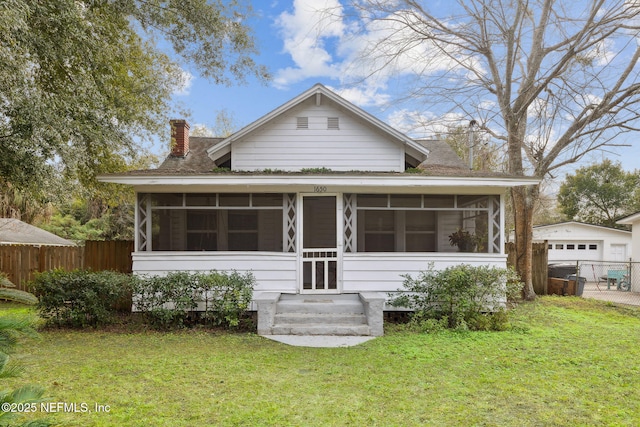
x: 290, y: 218
x: 349, y: 222
x: 143, y: 220
x: 494, y: 214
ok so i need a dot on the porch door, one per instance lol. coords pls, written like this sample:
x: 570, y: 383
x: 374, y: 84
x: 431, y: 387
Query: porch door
x: 319, y: 258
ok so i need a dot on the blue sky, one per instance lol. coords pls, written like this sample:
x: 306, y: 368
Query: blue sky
x: 301, y: 49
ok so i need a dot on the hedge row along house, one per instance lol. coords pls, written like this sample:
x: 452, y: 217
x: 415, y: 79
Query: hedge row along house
x: 327, y: 206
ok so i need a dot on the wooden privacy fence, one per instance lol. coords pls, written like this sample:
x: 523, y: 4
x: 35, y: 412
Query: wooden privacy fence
x: 21, y: 262
x: 539, y: 264
x: 108, y: 255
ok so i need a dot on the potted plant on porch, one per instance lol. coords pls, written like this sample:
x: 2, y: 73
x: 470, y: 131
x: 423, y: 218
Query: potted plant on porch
x: 464, y: 240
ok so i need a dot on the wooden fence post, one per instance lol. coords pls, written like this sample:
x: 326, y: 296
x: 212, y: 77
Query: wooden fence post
x: 539, y: 264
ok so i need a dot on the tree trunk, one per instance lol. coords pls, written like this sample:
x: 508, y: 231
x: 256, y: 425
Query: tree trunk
x: 524, y: 200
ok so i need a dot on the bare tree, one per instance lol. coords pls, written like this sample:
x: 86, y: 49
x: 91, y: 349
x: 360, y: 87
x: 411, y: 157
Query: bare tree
x: 551, y: 79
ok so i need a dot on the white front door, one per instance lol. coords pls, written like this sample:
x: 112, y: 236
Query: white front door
x: 319, y: 258
x: 618, y: 252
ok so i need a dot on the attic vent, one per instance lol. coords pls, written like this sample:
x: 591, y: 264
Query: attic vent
x: 333, y: 123
x: 302, y: 123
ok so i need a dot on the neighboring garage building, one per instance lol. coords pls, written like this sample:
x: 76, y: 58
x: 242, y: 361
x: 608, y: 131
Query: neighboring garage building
x: 572, y: 241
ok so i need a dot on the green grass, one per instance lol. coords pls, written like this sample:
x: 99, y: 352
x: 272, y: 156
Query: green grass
x: 566, y: 361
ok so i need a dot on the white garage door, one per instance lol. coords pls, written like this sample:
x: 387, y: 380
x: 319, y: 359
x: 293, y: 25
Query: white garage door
x: 572, y: 251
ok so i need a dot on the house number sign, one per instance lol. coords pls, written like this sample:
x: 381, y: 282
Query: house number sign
x: 319, y: 189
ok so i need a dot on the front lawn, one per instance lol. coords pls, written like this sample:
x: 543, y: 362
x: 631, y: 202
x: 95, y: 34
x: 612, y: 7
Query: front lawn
x: 566, y: 361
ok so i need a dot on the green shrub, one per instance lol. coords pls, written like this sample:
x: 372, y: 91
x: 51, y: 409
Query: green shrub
x: 226, y: 296
x: 168, y: 301
x: 79, y: 298
x: 465, y: 296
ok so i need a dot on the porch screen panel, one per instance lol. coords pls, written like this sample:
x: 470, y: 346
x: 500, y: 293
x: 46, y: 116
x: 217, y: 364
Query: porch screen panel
x: 426, y: 223
x: 205, y: 222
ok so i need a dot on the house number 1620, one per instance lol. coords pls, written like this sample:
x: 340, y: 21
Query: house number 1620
x: 319, y: 189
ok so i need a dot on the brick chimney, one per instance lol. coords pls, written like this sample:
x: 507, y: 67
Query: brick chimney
x: 179, y: 138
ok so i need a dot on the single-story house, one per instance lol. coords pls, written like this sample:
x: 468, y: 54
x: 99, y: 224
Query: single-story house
x: 320, y: 200
x: 573, y: 241
x: 15, y: 232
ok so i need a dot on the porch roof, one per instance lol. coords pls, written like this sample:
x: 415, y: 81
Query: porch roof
x: 447, y: 181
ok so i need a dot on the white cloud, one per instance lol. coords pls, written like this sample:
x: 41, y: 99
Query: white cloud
x: 361, y: 56
x: 183, y: 83
x: 200, y: 129
x: 363, y: 96
x: 304, y: 33
x: 419, y: 124
x: 602, y: 53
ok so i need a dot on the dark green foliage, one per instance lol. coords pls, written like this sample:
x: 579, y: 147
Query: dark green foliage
x: 170, y: 300
x: 460, y: 297
x: 600, y: 194
x: 83, y: 81
x: 80, y: 298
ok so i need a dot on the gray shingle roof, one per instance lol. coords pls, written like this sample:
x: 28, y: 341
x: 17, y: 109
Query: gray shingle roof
x: 442, y: 161
x: 15, y: 231
x: 440, y: 155
x: 196, y: 159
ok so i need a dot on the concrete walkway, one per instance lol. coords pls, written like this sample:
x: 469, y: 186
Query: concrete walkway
x: 321, y: 341
x: 600, y: 292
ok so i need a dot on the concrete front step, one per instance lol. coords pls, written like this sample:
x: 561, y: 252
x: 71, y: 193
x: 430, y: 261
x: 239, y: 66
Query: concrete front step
x: 323, y: 329
x: 320, y: 314
x: 341, y: 315
x: 329, y: 304
x: 318, y: 318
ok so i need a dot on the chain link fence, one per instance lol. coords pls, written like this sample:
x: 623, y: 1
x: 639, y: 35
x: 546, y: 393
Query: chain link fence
x: 613, y: 281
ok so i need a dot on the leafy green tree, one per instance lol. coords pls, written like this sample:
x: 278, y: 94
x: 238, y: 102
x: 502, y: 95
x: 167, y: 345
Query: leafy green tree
x: 600, y: 193
x: 68, y: 227
x: 85, y: 81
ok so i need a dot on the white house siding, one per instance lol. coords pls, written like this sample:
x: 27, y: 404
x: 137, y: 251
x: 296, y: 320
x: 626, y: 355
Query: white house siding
x: 281, y: 146
x: 382, y: 272
x: 275, y: 272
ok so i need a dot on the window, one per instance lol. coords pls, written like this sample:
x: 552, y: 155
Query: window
x: 420, y: 231
x: 593, y: 247
x: 582, y: 247
x: 550, y: 247
x: 559, y: 246
x: 217, y: 222
x: 378, y: 230
x: 571, y: 247
x: 202, y: 230
x: 423, y: 223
